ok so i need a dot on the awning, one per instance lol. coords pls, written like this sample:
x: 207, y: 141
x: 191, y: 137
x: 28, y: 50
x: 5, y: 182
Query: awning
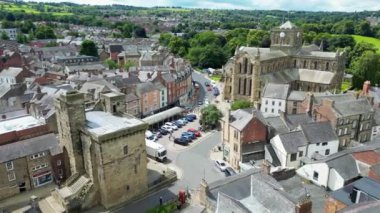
x: 163, y: 115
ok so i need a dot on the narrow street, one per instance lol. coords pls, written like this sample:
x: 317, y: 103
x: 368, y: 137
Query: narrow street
x: 195, y: 164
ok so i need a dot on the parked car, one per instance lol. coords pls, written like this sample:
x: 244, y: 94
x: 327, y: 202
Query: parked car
x: 200, y: 103
x: 196, y: 132
x: 181, y: 141
x: 173, y: 126
x: 178, y: 124
x: 184, y: 121
x: 163, y: 131
x: 167, y: 128
x: 159, y: 135
x: 193, y: 116
x: 207, y: 83
x: 189, y: 118
x: 209, y: 88
x: 187, y: 137
x: 191, y: 134
x: 152, y: 138
x: 221, y: 165
x: 229, y: 171
x: 206, y: 102
x: 215, y: 91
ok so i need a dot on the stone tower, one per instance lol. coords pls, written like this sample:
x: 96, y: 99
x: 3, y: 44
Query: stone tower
x: 287, y: 38
x: 70, y: 112
x: 113, y: 102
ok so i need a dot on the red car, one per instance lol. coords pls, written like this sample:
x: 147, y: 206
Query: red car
x: 196, y: 132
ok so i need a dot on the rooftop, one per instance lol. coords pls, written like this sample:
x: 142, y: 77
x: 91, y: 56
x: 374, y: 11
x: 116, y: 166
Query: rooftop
x: 30, y: 146
x: 276, y: 91
x: 19, y: 123
x: 101, y: 123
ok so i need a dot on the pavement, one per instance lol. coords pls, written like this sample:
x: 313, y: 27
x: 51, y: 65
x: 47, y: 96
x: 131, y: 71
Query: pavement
x: 23, y: 199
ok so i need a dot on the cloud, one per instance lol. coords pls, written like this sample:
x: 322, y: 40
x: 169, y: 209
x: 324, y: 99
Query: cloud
x: 308, y: 5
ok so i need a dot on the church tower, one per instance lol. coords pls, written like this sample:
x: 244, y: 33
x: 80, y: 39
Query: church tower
x: 70, y: 113
x: 287, y: 38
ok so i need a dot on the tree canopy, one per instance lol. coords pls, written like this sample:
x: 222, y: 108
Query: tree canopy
x: 240, y: 104
x: 210, y: 116
x: 89, y: 48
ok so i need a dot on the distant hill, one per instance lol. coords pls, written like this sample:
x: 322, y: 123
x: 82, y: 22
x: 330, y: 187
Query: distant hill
x: 371, y: 40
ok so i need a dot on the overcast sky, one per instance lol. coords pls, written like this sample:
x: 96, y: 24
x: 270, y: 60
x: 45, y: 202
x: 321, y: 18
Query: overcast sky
x: 309, y: 5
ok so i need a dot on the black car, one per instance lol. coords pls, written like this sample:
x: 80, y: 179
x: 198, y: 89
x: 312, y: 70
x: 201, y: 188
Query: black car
x: 229, y: 172
x: 181, y: 141
x: 163, y: 131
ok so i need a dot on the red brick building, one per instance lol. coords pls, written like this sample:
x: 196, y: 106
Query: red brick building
x: 244, y: 136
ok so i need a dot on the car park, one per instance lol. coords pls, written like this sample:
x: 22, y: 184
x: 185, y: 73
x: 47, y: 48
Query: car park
x: 221, y: 165
x: 196, y: 132
x: 170, y: 124
x: 191, y: 134
x: 181, y: 141
x: 229, y: 171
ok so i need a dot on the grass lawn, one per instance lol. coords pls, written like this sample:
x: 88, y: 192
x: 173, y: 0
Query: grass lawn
x: 30, y: 10
x: 167, y: 208
x: 371, y: 40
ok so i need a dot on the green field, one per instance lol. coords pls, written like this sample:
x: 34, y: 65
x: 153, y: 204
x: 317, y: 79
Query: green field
x: 371, y: 40
x: 29, y: 9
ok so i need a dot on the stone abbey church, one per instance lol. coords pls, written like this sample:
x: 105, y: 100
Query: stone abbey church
x: 287, y: 61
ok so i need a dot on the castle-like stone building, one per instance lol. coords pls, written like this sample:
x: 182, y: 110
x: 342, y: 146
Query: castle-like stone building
x: 304, y: 68
x: 105, y: 149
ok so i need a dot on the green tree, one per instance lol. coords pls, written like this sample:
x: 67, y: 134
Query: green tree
x: 21, y: 38
x: 258, y: 38
x: 10, y: 17
x: 4, y: 36
x: 128, y: 65
x: 206, y: 38
x: 207, y: 56
x: 210, y: 116
x: 44, y: 32
x: 178, y: 46
x: 240, y: 104
x: 165, y: 39
x: 89, y: 48
x: 140, y: 32
x: 111, y: 64
x: 363, y: 28
x: 366, y: 67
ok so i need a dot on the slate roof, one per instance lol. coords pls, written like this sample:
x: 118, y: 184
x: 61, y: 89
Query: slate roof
x: 367, y: 185
x: 30, y: 146
x: 241, y: 117
x: 290, y: 75
x: 292, y: 140
x: 294, y: 120
x: 256, y: 191
x: 318, y: 97
x: 227, y: 204
x: 345, y: 166
x: 319, y: 132
x: 145, y: 87
x: 297, y: 95
x: 355, y: 107
x: 116, y: 48
x: 277, y: 125
x: 276, y: 91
